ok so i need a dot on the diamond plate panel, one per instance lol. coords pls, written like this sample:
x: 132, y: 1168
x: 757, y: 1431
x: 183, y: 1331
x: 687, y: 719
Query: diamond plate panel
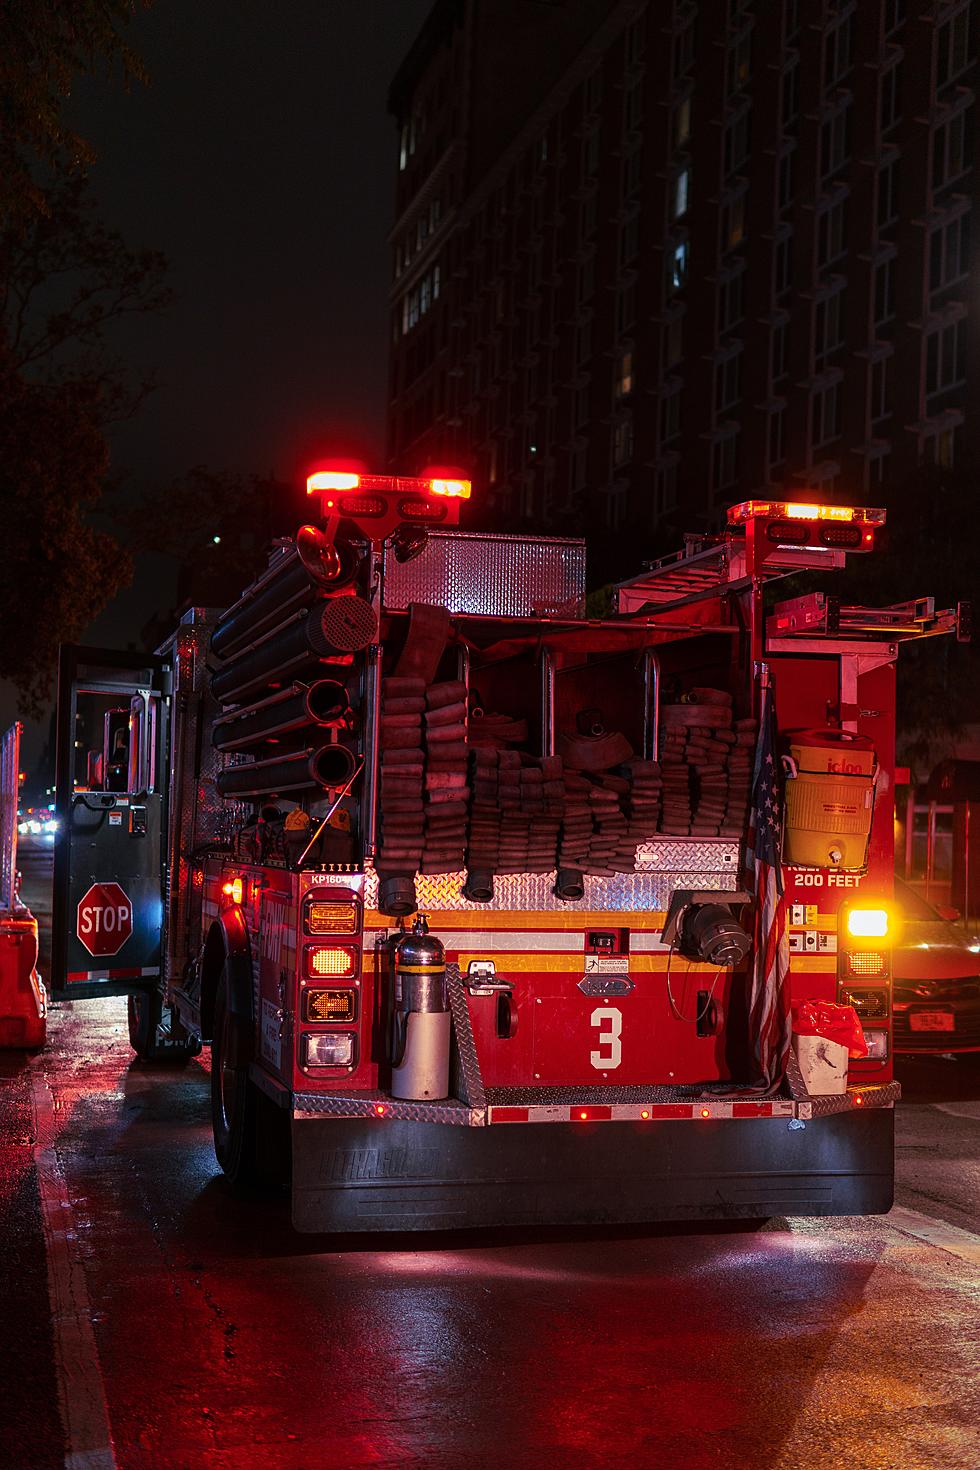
x: 699, y: 856
x: 525, y: 1097
x: 473, y: 572
x: 339, y: 1105
x: 465, y: 1078
x: 626, y: 891
x: 885, y: 1095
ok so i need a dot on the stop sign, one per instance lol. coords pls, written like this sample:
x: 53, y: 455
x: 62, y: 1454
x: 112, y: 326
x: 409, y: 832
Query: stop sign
x: 105, y: 919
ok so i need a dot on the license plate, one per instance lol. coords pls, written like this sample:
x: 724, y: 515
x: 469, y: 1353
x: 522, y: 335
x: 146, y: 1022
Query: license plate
x: 932, y: 1021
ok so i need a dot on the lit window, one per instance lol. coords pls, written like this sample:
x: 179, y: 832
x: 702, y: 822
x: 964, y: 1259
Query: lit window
x: 403, y: 149
x: 678, y: 265
x: 624, y: 372
x: 680, y: 193
x: 733, y: 221
x: 682, y: 123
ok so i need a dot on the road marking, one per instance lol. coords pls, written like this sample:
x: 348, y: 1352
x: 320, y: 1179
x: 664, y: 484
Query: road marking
x: 961, y: 1243
x: 81, y: 1390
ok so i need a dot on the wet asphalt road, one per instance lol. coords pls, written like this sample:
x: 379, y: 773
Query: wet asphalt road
x: 219, y: 1338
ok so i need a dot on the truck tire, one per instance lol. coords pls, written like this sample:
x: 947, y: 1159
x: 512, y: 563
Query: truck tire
x: 145, y: 1011
x: 251, y: 1133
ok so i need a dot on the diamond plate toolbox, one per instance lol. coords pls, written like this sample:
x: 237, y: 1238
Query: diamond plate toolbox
x: 501, y: 576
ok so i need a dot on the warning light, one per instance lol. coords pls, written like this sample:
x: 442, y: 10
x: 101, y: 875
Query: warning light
x: 796, y: 510
x: 706, y: 1112
x: 644, y: 1112
x: 460, y: 489
x: 332, y: 480
x: 233, y: 889
x: 584, y: 1117
x: 867, y: 923
x: 858, y: 1100
x: 380, y: 1109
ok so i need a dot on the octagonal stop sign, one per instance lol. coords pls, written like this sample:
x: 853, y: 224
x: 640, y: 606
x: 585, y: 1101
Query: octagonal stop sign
x: 105, y: 919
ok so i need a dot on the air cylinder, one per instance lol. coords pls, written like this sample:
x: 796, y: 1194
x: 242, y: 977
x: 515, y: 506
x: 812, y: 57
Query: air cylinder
x: 299, y: 770
x: 421, y: 1022
x: 321, y: 705
x: 342, y: 624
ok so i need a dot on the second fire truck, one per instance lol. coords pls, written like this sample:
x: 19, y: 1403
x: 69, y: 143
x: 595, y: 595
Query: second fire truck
x: 462, y: 888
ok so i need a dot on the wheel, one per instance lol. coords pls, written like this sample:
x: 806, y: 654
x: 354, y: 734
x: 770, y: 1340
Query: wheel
x: 145, y: 1011
x: 251, y: 1133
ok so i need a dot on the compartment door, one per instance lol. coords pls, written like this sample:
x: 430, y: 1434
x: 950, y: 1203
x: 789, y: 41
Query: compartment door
x: 109, y: 869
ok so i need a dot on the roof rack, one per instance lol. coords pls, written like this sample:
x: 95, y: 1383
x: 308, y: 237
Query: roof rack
x: 709, y: 565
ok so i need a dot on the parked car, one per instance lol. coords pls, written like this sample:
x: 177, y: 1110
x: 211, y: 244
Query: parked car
x: 936, y: 968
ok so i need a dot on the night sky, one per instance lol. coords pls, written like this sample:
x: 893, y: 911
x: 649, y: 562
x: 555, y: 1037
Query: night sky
x: 260, y: 159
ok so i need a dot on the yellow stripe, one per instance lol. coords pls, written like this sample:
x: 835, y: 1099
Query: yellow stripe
x: 419, y: 969
x: 570, y: 964
x: 813, y: 964
x: 536, y: 920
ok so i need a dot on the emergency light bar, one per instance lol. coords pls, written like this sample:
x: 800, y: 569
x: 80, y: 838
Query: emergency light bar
x: 342, y: 481
x: 795, y: 510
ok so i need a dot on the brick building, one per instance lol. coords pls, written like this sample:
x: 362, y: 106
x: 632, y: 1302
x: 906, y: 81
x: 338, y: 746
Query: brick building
x: 653, y: 257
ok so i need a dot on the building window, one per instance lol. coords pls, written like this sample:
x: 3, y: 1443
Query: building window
x: 724, y: 462
x: 622, y: 440
x: 733, y: 220
x: 837, y: 50
x: 673, y: 341
x: 682, y: 51
x: 626, y: 305
x: 583, y: 341
x: 739, y: 60
x: 590, y: 154
x: 736, y: 149
x: 583, y: 403
x: 890, y: 99
x: 835, y: 141
x: 493, y: 467
x: 825, y: 408
x: 946, y: 358
x: 678, y: 256
x: 944, y: 448
x: 629, y: 239
x: 585, y: 284
x: 680, y: 189
x: 832, y: 232
x: 634, y: 41
x: 633, y: 106
x: 894, y: 15
x: 731, y: 307
x: 828, y: 328
x: 616, y: 507
x: 777, y: 350
x: 728, y: 382
x: 775, y: 450
x: 593, y: 91
x: 888, y: 193
x: 784, y: 262
x: 879, y: 389
x: 884, y: 291
x: 403, y: 149
x: 670, y: 413
x: 953, y: 47
x: 952, y: 148
x: 681, y: 130
x: 587, y: 217
x: 666, y: 488
x: 632, y: 173
x: 787, y: 178
x: 624, y: 373
x: 789, y: 106
x: 949, y: 252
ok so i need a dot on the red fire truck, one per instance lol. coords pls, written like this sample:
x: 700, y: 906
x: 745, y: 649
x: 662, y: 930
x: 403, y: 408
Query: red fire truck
x: 458, y: 884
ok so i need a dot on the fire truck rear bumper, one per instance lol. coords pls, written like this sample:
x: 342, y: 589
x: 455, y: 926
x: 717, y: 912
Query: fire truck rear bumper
x: 388, y: 1174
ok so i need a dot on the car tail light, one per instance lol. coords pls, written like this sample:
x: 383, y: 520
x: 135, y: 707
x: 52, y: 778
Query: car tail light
x: 331, y: 916
x: 330, y: 1007
x: 328, y: 1049
x: 334, y: 960
x: 865, y: 963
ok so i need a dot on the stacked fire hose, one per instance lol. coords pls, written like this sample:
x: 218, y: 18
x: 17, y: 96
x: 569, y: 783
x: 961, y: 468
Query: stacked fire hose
x: 284, y: 651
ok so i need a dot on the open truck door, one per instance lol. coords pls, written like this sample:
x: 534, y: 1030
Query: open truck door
x: 109, y: 856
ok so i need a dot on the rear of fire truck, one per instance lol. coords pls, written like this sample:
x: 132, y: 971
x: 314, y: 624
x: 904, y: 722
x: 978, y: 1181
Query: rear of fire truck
x: 489, y: 912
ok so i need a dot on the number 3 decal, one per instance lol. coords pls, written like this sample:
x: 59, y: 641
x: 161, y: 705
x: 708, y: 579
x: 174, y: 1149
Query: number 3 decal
x: 612, y: 1019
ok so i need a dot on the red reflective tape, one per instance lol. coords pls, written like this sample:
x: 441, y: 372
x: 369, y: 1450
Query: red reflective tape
x: 751, y: 1110
x: 509, y: 1115
x: 80, y: 974
x: 589, y: 1114
x: 673, y: 1110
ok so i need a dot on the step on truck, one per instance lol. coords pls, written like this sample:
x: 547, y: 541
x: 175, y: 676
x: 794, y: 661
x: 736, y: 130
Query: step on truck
x: 488, y: 911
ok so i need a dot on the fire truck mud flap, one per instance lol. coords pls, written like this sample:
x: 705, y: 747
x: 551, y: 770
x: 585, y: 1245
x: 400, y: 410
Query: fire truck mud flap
x: 364, y: 1174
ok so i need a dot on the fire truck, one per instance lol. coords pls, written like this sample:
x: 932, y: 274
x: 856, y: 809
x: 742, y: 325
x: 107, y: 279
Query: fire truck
x: 458, y: 884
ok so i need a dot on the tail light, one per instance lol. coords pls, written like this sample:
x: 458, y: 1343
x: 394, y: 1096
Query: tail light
x: 864, y: 944
x: 865, y: 964
x: 329, y: 1049
x: 332, y: 916
x: 338, y: 961
x: 331, y: 1006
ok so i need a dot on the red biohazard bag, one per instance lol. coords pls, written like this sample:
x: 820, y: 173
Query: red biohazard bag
x: 832, y: 1022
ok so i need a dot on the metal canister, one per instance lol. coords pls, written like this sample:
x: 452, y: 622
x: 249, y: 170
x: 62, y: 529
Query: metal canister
x: 421, y: 1023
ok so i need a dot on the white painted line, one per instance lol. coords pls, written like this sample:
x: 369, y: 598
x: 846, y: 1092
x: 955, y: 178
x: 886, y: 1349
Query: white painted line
x: 969, y: 1110
x: 961, y: 1243
x: 81, y: 1391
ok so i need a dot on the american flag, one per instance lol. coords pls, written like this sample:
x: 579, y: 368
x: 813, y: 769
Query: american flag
x: 769, y: 1010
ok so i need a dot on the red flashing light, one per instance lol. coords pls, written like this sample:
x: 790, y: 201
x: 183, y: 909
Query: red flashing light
x: 584, y: 1117
x: 332, y: 480
x: 858, y: 1100
x: 233, y: 889
x: 795, y: 510
x: 645, y: 1113
x: 706, y: 1112
x: 380, y: 1109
